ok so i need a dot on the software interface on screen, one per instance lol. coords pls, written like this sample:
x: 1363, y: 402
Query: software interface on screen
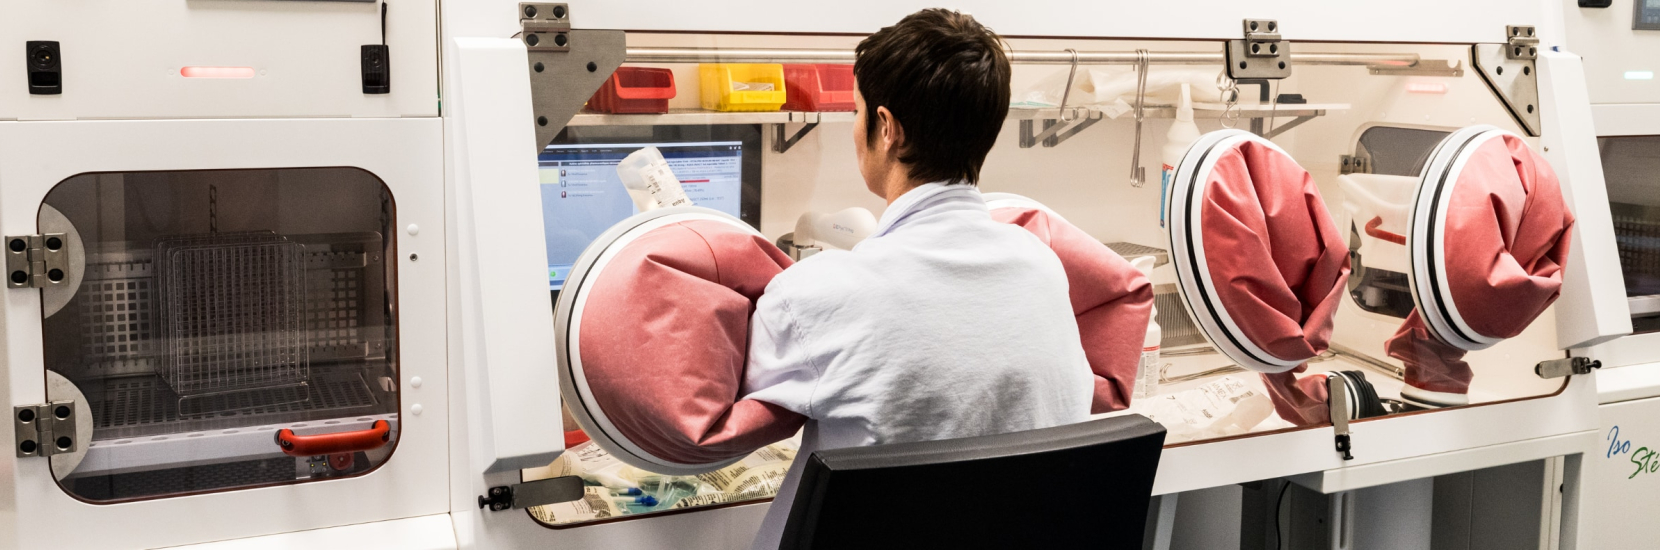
x: 582, y: 195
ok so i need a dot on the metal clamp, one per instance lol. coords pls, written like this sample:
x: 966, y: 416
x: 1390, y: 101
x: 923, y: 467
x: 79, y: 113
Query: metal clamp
x: 1557, y: 368
x: 44, y: 430
x: 1337, y: 402
x: 541, y: 492
x: 1263, y: 53
x: 36, y: 260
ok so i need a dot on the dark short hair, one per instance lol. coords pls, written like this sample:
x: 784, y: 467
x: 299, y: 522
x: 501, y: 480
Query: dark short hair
x: 945, y: 78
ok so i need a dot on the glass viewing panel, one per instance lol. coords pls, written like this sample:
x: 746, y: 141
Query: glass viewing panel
x: 1319, y: 116
x: 1629, y: 166
x: 216, y: 308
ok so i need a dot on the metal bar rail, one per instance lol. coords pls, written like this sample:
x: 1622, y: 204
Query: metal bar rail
x: 743, y: 55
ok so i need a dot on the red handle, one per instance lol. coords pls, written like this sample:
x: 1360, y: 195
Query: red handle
x: 344, y: 442
x: 1372, y: 229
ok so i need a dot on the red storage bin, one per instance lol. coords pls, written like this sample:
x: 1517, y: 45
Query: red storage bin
x: 633, y: 90
x: 822, y: 87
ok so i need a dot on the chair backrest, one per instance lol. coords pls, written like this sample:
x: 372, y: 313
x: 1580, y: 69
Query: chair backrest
x: 1086, y: 485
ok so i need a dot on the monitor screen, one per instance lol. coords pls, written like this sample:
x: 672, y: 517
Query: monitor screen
x: 582, y: 195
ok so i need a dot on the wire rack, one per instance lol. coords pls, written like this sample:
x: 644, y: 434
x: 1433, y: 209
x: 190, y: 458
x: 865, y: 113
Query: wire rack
x: 1176, y: 328
x: 233, y: 313
x: 139, y: 406
x: 1637, y: 236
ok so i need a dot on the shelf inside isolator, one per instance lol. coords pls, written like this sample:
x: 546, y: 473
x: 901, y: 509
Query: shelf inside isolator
x: 1076, y: 119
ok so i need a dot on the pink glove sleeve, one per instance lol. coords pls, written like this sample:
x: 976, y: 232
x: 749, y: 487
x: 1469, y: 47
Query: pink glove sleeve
x: 1111, y: 299
x: 1279, y: 265
x: 664, y: 339
x: 1508, y: 229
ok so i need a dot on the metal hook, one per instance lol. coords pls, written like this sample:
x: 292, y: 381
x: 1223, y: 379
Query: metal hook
x: 1066, y: 93
x: 1138, y: 174
x: 1228, y: 93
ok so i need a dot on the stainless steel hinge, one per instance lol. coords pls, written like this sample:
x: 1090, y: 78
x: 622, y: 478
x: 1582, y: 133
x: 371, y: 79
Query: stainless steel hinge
x: 541, y: 492
x: 1509, y: 70
x: 1263, y: 53
x: 1557, y: 368
x: 1351, y: 164
x: 546, y: 26
x: 44, y: 430
x: 36, y: 261
x: 1523, y: 42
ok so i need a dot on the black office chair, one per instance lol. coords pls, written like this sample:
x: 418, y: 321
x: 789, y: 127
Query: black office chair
x: 1085, y: 485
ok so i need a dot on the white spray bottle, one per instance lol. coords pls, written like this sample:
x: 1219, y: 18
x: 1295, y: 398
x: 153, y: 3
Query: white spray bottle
x: 1147, y: 372
x: 1183, y: 132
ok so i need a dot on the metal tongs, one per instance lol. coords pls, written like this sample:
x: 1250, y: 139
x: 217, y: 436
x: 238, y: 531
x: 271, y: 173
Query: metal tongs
x: 1138, y: 174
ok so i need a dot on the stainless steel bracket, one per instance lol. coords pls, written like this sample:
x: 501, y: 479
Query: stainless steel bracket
x: 1337, y: 402
x: 566, y: 65
x: 1056, y: 131
x: 782, y: 144
x: 1262, y: 54
x: 1557, y: 368
x: 44, y: 430
x: 1510, y: 71
x: 541, y: 492
x: 37, y: 261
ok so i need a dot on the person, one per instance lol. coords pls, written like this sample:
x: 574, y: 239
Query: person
x: 943, y: 323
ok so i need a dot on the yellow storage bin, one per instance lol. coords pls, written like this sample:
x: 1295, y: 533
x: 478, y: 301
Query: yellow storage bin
x: 724, y: 86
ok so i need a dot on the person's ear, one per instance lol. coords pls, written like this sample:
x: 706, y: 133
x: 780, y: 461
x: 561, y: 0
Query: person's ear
x: 892, y: 134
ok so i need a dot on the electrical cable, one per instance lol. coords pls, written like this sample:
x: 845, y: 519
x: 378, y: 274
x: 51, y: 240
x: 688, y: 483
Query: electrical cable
x: 1273, y: 110
x: 1279, y: 502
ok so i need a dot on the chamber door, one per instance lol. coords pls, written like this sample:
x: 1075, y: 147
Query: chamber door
x: 1489, y: 236
x: 652, y: 332
x: 1258, y: 259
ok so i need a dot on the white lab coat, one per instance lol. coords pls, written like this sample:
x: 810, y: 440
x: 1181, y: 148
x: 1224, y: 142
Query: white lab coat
x: 943, y: 324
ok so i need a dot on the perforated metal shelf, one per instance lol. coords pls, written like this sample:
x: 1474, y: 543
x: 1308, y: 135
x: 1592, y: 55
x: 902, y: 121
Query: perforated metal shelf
x: 144, y: 405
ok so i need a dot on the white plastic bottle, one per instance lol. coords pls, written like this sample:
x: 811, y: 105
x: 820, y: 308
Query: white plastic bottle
x: 649, y: 180
x: 1147, y: 372
x: 1183, y: 132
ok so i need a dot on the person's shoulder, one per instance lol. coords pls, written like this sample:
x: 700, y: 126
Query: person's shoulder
x: 829, y: 272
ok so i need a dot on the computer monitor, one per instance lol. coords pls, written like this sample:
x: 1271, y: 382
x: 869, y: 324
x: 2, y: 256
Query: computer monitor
x: 582, y: 196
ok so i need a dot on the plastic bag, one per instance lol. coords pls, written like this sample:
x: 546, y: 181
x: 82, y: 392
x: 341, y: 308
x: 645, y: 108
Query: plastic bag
x: 1112, y: 91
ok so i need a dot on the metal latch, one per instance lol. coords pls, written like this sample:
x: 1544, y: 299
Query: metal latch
x: 36, y: 260
x: 1351, y: 164
x: 541, y: 492
x: 1557, y: 368
x: 1261, y: 54
x: 1337, y: 402
x: 1522, y: 41
x: 546, y: 26
x: 44, y: 430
